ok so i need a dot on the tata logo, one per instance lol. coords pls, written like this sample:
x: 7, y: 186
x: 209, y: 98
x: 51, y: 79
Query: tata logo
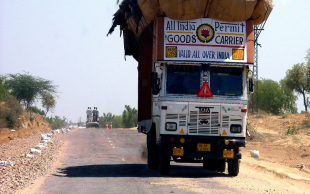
x: 205, y: 33
x: 204, y: 109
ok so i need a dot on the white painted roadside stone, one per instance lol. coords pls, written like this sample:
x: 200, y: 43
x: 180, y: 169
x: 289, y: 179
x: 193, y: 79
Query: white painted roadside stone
x: 29, y: 156
x: 254, y: 153
x: 47, y: 141
x: 35, y: 151
x: 7, y: 162
x: 43, y: 144
x: 39, y: 146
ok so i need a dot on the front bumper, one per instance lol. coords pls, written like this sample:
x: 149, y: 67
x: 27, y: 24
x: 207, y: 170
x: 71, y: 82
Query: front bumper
x: 189, y: 145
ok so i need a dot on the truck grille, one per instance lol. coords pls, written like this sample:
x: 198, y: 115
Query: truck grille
x: 203, y: 123
x: 179, y: 118
x: 226, y: 120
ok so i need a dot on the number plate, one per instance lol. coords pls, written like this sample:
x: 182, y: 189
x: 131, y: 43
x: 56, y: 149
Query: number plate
x: 228, y: 154
x: 203, y: 147
x: 178, y: 152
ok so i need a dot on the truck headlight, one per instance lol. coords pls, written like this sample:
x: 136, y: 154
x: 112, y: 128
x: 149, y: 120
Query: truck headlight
x: 235, y: 128
x: 171, y: 126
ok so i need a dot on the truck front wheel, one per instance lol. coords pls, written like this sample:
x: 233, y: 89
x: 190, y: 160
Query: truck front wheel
x: 164, y: 162
x: 233, y: 167
x: 152, y: 149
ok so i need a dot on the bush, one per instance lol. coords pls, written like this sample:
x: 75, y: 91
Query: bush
x: 29, y: 115
x: 11, y: 112
x: 307, y: 123
x: 10, y: 119
x: 291, y: 130
x: 285, y: 115
x: 37, y: 110
x: 56, y: 122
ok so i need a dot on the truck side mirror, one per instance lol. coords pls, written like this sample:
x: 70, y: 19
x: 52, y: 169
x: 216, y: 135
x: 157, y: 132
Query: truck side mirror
x: 155, y: 83
x: 251, y: 85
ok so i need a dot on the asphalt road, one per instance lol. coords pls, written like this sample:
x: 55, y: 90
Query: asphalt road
x: 114, y: 161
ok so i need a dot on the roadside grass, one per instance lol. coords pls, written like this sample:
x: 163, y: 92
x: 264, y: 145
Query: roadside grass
x: 292, y: 130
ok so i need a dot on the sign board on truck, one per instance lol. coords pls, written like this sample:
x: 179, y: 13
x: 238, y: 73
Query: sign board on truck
x: 205, y: 39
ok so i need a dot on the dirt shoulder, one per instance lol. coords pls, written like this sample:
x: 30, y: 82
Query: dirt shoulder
x: 26, y: 127
x: 280, y: 153
x: 21, y: 171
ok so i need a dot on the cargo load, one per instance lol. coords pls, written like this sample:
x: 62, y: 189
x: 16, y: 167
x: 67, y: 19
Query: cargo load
x: 224, y: 10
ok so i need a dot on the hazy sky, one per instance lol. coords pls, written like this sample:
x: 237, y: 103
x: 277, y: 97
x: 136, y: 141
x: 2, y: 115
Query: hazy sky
x: 65, y: 41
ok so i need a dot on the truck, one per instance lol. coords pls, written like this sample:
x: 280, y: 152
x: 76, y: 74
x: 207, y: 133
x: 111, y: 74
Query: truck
x: 92, y: 118
x: 194, y: 79
x: 193, y: 88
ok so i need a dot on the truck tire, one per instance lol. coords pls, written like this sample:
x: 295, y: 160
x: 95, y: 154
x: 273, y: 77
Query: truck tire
x: 220, y: 165
x: 209, y: 164
x: 152, y: 149
x: 164, y: 162
x: 233, y: 167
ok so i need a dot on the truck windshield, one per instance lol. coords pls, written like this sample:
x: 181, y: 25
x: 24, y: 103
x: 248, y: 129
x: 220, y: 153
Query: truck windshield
x: 226, y: 81
x: 183, y: 79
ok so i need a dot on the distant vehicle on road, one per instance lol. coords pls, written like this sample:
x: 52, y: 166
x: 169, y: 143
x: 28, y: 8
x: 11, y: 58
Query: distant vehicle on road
x: 92, y: 120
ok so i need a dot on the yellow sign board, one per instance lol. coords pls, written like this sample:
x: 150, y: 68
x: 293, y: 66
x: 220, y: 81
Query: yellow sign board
x: 228, y: 154
x: 178, y: 152
x: 238, y: 54
x: 203, y: 147
x: 171, y: 51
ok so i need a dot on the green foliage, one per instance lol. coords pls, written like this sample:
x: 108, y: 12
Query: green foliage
x: 275, y: 98
x: 298, y: 80
x: 10, y: 113
x: 56, y: 122
x: 28, y: 115
x: 291, y: 130
x: 308, y: 56
x: 48, y: 102
x: 37, y: 110
x: 3, y: 89
x: 116, y: 120
x: 26, y: 88
x: 130, y: 117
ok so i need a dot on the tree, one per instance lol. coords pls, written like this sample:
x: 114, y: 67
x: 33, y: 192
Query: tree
x: 26, y: 88
x: 275, y: 98
x: 289, y: 98
x: 308, y: 56
x: 298, y: 80
x: 36, y: 110
x: 3, y: 89
x: 130, y: 117
x: 109, y: 117
x: 48, y: 102
x: 56, y: 122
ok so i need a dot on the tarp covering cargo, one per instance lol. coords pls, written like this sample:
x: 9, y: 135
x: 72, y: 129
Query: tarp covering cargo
x: 224, y: 10
x: 134, y: 16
